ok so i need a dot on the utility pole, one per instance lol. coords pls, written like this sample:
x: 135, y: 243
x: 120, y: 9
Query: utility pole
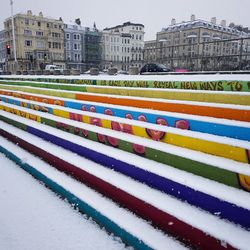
x: 13, y: 34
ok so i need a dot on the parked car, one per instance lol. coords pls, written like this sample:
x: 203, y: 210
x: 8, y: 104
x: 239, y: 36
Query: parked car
x: 52, y: 68
x: 154, y: 68
x: 122, y: 72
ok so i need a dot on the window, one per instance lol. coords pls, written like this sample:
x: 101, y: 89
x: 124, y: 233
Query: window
x: 39, y: 33
x: 75, y: 46
x: 56, y: 34
x: 67, y: 36
x: 28, y: 43
x: 39, y: 24
x: 48, y: 25
x: 27, y: 32
x: 26, y: 21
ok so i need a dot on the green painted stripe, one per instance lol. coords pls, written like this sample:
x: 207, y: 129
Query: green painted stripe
x: 82, y: 206
x: 223, y: 85
x: 48, y: 86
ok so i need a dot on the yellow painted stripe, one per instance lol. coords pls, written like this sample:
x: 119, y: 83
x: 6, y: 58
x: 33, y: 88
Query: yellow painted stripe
x: 174, y: 95
x: 61, y: 113
x: 214, y: 148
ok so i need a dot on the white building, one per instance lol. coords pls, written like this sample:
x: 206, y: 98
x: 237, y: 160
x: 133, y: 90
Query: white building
x: 122, y: 46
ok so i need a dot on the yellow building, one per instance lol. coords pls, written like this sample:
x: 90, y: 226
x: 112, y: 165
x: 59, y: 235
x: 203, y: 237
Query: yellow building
x: 39, y: 41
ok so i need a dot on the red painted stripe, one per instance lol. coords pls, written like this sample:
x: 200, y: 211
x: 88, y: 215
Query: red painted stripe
x: 166, y: 222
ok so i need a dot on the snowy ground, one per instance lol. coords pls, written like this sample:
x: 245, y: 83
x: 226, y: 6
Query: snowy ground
x: 26, y: 205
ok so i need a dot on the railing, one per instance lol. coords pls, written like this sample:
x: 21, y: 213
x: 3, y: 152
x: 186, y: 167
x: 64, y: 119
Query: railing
x: 223, y: 55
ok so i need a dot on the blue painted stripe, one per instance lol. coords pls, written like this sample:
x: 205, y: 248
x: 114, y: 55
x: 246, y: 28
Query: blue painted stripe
x: 80, y: 204
x: 207, y: 202
x: 231, y: 131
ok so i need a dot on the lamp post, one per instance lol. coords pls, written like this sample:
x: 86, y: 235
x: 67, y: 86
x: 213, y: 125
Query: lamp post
x: 13, y: 34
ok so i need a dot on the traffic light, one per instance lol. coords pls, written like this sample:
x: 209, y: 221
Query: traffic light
x: 8, y: 49
x: 45, y: 56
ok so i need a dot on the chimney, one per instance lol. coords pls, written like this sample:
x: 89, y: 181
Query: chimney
x: 223, y: 23
x: 173, y: 21
x: 213, y: 20
x: 29, y: 13
x: 192, y: 17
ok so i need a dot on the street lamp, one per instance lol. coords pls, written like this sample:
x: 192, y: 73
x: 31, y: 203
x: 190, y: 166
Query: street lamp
x: 13, y: 33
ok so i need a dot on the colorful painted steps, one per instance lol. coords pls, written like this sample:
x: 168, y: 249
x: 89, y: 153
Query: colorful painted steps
x: 151, y: 169
x: 166, y: 185
x: 193, y: 235
x: 188, y: 161
x: 225, y: 111
x: 209, y: 125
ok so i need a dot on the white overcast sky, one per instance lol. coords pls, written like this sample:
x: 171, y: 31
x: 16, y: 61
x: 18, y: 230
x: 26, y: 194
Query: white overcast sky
x: 154, y: 14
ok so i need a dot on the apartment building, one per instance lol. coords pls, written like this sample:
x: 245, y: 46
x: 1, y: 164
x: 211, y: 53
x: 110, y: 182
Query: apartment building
x: 122, y: 46
x: 74, y: 46
x: 82, y: 47
x: 197, y: 44
x: 39, y: 41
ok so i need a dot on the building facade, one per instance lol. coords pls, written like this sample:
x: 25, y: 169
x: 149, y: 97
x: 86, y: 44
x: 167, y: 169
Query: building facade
x: 123, y: 46
x: 93, y: 48
x: 82, y: 47
x: 198, y: 44
x: 39, y: 41
x: 74, y: 46
x: 3, y: 54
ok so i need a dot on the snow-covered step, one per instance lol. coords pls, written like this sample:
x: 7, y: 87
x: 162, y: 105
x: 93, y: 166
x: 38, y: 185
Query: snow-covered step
x: 191, y: 227
x: 132, y: 229
x: 212, y: 167
x: 209, y: 125
x: 226, y: 111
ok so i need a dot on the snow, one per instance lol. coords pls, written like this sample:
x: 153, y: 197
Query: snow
x: 32, y: 217
x: 155, y: 238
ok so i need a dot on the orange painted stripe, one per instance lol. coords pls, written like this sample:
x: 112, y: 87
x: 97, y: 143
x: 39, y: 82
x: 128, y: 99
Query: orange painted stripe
x: 226, y: 113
